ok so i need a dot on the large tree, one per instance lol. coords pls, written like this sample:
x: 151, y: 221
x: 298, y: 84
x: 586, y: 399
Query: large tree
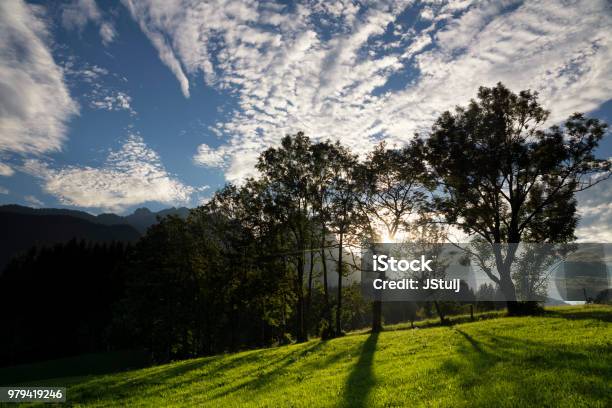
x: 328, y: 170
x: 344, y: 213
x: 506, y: 180
x: 284, y: 171
x: 395, y: 187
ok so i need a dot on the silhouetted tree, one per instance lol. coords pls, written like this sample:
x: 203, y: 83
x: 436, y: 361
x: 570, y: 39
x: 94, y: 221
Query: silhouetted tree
x: 284, y: 170
x: 395, y: 185
x: 506, y: 180
x: 57, y: 301
x: 344, y: 213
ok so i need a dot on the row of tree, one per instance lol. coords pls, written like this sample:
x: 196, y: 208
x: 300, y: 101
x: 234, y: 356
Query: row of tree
x: 255, y: 262
x: 489, y: 169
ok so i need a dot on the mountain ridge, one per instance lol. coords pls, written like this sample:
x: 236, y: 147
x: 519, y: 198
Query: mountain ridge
x: 25, y: 227
x: 141, y: 219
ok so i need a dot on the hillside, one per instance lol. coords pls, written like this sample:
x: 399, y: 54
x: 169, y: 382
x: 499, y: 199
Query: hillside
x: 22, y: 231
x: 563, y: 358
x: 24, y: 227
x: 140, y: 219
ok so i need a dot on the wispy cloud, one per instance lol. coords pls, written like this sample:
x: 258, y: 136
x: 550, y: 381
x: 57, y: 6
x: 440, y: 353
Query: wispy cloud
x: 139, y: 11
x: 36, y: 104
x: 78, y: 13
x: 332, y: 70
x: 4, y: 190
x: 107, y: 32
x: 115, y: 101
x: 100, y: 88
x: 209, y: 157
x: 595, y: 209
x: 131, y: 175
x: 6, y: 170
x: 33, y: 201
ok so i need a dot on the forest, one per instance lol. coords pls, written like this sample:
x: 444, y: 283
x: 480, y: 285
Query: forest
x: 272, y: 260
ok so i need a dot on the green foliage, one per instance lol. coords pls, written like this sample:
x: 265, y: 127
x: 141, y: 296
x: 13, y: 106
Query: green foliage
x: 505, y: 179
x: 57, y: 301
x: 196, y: 287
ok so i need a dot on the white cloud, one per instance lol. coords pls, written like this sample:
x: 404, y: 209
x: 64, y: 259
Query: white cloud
x: 595, y: 210
x: 140, y: 12
x: 427, y: 14
x: 107, y: 32
x: 35, y: 103
x: 6, y: 170
x: 100, y: 88
x: 209, y: 157
x: 85, y: 72
x: 131, y: 175
x: 33, y: 201
x: 3, y: 190
x: 323, y: 68
x: 78, y: 13
x: 116, y: 101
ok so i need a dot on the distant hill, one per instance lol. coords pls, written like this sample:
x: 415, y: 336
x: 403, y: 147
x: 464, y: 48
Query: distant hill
x: 141, y: 219
x: 21, y: 231
x: 24, y: 227
x: 20, y: 209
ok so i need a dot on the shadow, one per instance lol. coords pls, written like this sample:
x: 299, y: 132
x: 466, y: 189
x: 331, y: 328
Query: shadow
x: 159, y: 379
x: 266, y: 374
x: 486, y: 357
x: 601, y: 313
x: 449, y: 322
x: 77, y: 366
x: 475, y: 345
x: 361, y: 379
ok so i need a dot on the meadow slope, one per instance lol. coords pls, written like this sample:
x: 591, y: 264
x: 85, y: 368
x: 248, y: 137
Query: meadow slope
x: 563, y: 358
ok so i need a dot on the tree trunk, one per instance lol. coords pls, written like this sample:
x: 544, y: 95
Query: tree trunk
x: 326, y: 307
x: 339, y: 304
x: 515, y: 307
x: 309, y: 296
x: 440, y: 313
x: 377, y: 308
x: 526, y: 308
x: 376, y: 316
x: 300, y: 333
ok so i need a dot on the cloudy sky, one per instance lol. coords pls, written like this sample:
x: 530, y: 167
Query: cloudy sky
x: 112, y: 105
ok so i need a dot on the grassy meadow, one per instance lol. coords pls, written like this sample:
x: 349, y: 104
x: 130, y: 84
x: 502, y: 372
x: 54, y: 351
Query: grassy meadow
x: 562, y: 358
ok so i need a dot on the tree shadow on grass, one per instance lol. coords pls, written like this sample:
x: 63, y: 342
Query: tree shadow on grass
x: 602, y: 314
x: 475, y: 345
x: 163, y: 378
x: 532, y: 372
x: 267, y: 374
x: 361, y: 379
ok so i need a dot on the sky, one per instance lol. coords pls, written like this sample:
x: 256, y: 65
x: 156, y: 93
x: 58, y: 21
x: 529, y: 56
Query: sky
x: 115, y: 105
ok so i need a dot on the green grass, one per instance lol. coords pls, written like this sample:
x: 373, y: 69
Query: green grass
x: 563, y: 358
x: 85, y: 364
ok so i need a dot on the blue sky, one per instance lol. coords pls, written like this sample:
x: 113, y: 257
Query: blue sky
x: 113, y: 105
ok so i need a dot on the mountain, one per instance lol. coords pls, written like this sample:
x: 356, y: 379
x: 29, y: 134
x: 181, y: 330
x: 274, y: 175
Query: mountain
x: 20, y: 209
x: 141, y: 219
x: 21, y: 231
x: 24, y: 227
